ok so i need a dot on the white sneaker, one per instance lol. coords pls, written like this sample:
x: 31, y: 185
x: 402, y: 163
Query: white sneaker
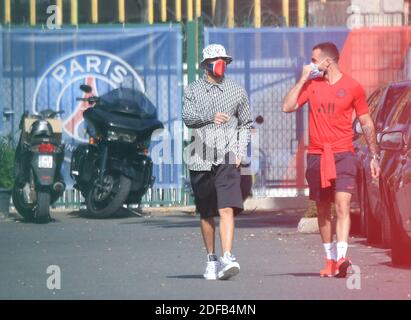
x: 229, y: 267
x: 211, y: 272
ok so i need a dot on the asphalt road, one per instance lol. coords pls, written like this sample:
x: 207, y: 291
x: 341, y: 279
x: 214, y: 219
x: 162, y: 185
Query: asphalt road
x: 162, y: 257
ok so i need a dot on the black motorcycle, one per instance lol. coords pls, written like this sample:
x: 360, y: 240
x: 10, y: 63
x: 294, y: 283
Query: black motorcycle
x: 39, y: 156
x: 114, y: 168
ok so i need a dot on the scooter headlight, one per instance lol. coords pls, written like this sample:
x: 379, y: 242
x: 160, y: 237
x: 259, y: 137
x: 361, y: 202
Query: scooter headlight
x: 112, y: 136
x: 117, y: 136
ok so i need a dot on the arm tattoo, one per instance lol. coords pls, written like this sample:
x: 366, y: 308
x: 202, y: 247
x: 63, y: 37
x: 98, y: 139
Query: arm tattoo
x: 369, y: 134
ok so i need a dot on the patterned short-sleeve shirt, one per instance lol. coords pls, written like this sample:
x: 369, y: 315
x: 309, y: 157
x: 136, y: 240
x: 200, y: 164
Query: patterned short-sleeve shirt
x: 210, y: 141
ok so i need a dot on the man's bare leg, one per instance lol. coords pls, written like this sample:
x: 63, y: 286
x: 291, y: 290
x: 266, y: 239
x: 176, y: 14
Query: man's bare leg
x: 326, y: 230
x: 229, y: 265
x: 342, y: 207
x: 208, y: 231
x: 324, y: 221
x: 226, y: 229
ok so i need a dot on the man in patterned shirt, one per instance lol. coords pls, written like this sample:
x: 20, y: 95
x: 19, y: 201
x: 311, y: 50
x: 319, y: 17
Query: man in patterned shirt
x: 217, y: 110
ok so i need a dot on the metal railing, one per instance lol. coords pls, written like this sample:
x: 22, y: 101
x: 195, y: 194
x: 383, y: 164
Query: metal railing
x: 155, y: 197
x: 76, y: 12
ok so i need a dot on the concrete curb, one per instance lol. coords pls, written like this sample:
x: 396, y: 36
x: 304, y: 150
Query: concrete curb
x: 276, y: 203
x: 191, y: 210
x: 308, y: 225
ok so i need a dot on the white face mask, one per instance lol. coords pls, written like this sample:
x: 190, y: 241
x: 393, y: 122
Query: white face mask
x: 315, y: 72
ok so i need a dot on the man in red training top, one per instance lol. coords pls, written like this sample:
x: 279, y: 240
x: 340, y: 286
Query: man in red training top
x: 331, y: 162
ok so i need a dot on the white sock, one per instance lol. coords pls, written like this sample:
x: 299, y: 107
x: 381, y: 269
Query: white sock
x: 329, y: 249
x: 341, y: 249
x: 334, y: 251
x: 227, y: 254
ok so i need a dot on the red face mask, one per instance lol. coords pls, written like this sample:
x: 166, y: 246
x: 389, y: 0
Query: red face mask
x: 217, y: 68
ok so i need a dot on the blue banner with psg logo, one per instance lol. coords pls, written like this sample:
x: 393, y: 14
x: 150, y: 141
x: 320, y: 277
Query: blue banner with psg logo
x: 44, y: 69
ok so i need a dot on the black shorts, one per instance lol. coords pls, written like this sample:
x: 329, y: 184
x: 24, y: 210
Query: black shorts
x: 217, y: 189
x: 346, y: 167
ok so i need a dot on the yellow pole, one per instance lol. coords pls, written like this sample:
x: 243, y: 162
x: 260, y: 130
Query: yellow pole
x: 32, y: 12
x: 286, y: 11
x: 213, y: 5
x: 150, y: 11
x: 178, y: 10
x: 301, y: 13
x: 7, y: 11
x: 230, y: 10
x: 189, y: 10
x: 257, y: 24
x: 59, y: 18
x: 74, y: 12
x: 94, y: 11
x: 198, y: 8
x: 257, y: 13
x: 163, y: 10
x: 121, y: 11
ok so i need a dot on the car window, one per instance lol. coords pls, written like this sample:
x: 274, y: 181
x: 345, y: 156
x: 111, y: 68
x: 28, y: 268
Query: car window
x: 401, y: 114
x: 373, y: 101
x: 386, y: 111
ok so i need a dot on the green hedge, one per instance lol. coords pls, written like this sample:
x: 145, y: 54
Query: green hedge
x: 7, y: 152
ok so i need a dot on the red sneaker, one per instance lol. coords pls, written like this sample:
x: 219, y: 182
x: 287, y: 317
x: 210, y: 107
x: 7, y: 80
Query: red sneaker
x: 329, y: 269
x: 342, y: 266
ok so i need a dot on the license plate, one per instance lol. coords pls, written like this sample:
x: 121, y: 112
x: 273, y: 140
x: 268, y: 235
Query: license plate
x: 46, y: 162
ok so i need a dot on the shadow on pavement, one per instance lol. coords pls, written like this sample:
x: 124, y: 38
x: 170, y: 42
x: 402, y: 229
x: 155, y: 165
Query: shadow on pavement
x: 121, y: 214
x: 365, y: 243
x: 14, y: 217
x: 186, y: 276
x: 254, y: 220
x: 302, y: 274
x: 390, y: 265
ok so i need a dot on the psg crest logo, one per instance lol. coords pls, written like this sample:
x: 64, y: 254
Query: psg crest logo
x: 341, y: 93
x: 59, y: 85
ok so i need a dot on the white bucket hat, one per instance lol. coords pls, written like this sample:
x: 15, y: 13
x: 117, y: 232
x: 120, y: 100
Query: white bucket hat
x: 213, y: 51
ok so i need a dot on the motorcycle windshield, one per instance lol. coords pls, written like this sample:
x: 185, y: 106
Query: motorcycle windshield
x: 128, y: 101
